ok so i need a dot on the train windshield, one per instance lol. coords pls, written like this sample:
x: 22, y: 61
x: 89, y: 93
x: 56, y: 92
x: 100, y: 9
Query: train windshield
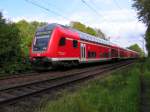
x: 41, y: 41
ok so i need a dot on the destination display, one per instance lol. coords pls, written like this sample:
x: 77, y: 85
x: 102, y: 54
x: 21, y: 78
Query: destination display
x: 43, y: 33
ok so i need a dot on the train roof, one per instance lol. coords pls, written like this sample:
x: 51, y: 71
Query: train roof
x: 47, y: 27
x: 131, y: 50
x: 88, y: 37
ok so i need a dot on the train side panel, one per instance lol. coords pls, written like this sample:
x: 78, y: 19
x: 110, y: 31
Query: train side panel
x: 70, y: 48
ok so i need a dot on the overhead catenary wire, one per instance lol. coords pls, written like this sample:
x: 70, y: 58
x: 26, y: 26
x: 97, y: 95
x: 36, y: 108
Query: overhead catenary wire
x: 52, y: 5
x: 120, y: 8
x: 92, y: 2
x: 93, y: 9
x: 58, y: 9
x: 96, y: 12
x: 46, y: 9
x: 117, y: 4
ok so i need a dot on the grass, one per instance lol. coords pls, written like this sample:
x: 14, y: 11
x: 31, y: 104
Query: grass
x: 119, y: 92
x: 145, y: 78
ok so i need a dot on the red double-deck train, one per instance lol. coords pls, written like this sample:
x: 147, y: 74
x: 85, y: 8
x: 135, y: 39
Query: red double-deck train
x: 55, y: 44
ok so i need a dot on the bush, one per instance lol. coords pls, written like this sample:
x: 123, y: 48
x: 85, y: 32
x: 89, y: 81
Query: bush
x: 10, y: 48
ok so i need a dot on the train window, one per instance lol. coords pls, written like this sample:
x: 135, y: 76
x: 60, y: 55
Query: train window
x: 106, y: 55
x: 75, y: 43
x: 91, y: 54
x: 101, y: 54
x: 114, y: 52
x: 62, y: 41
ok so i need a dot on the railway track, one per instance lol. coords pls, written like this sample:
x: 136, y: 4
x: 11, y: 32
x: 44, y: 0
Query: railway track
x: 16, y: 92
x: 33, y: 77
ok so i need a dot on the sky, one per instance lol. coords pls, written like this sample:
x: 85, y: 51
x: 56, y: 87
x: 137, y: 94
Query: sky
x: 116, y: 18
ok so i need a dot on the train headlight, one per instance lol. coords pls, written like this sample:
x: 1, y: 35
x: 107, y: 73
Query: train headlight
x: 33, y: 59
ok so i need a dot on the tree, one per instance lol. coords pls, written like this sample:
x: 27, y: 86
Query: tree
x: 10, y: 49
x: 9, y: 41
x: 143, y: 8
x: 147, y: 39
x: 100, y: 34
x: 15, y: 39
x: 27, y: 31
x: 81, y: 27
x: 90, y: 31
x: 135, y: 47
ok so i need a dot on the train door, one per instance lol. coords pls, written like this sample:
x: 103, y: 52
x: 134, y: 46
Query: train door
x: 83, y: 52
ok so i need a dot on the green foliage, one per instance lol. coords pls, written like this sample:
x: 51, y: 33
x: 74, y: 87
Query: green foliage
x: 147, y: 37
x: 27, y: 31
x: 116, y: 93
x: 135, y: 47
x: 143, y: 8
x: 14, y: 40
x: 145, y: 78
x: 100, y: 34
x: 10, y: 50
x: 81, y: 27
x: 90, y: 31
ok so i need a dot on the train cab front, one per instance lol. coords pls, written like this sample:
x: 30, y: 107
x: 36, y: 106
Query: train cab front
x: 39, y: 51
